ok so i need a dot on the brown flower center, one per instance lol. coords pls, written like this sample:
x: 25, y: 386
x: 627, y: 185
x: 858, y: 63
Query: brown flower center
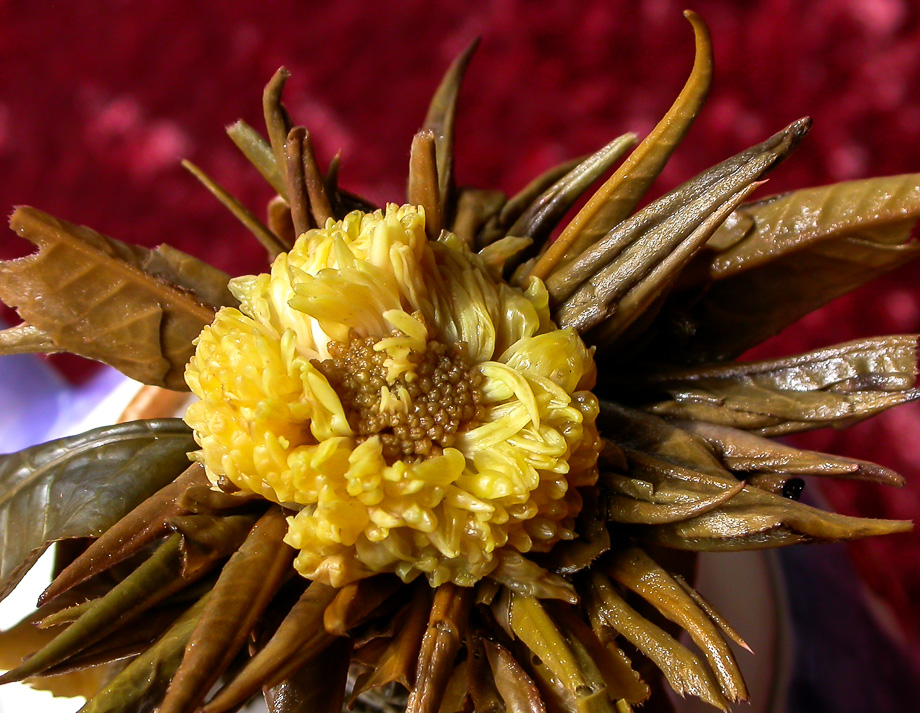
x: 444, y: 396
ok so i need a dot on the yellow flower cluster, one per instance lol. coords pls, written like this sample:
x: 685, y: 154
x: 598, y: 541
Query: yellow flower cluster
x: 415, y: 410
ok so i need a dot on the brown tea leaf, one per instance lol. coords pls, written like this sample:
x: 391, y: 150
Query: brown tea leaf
x: 516, y: 688
x: 835, y: 386
x: 775, y: 260
x: 129, y: 534
x: 245, y: 587
x: 258, y: 152
x: 440, y: 121
x: 317, y: 687
x: 617, y: 198
x: 423, y: 187
x: 26, y: 339
x: 524, y: 576
x: 92, y: 296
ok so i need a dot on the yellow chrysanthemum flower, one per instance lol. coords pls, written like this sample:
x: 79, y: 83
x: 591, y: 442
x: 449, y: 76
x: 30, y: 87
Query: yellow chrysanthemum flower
x: 418, y: 412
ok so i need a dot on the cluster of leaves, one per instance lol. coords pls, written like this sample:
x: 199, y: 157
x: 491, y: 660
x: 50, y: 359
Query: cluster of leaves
x: 183, y: 585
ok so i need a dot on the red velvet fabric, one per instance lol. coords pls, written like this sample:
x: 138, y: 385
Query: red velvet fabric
x: 99, y: 100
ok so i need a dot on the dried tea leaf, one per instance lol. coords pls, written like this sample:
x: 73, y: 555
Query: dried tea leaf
x: 277, y: 121
x: 835, y: 386
x: 617, y: 198
x: 127, y: 535
x: 140, y: 686
x: 776, y: 260
x: 80, y: 486
x: 684, y: 671
x: 440, y: 121
x: 633, y: 568
x: 92, y: 296
x: 245, y: 587
x: 300, y: 637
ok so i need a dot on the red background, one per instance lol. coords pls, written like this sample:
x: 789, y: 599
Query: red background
x: 99, y: 100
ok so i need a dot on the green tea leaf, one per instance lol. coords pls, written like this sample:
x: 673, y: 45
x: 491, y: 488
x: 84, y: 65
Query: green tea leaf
x: 80, y: 486
x: 93, y: 296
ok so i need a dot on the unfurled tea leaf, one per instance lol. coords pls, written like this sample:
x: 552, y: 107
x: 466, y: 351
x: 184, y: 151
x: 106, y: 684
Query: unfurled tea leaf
x: 81, y: 485
x: 524, y: 576
x: 356, y: 601
x: 776, y: 260
x: 93, y: 296
x: 836, y: 386
x: 127, y: 535
x: 617, y: 198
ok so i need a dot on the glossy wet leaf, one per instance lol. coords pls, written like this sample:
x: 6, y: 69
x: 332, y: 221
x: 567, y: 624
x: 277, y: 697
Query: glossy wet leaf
x: 245, y: 587
x: 80, y: 486
x: 835, y: 386
x: 743, y: 452
x: 318, y: 687
x: 475, y: 219
x: 127, y: 535
x: 516, y: 688
x: 26, y: 339
x: 140, y: 686
x: 258, y: 152
x: 634, y: 264
x: 423, y: 189
x: 300, y: 637
x: 617, y: 198
x: 683, y: 670
x: 440, y: 644
x: 483, y: 690
x: 633, y: 568
x: 524, y: 576
x: 145, y: 586
x: 776, y: 260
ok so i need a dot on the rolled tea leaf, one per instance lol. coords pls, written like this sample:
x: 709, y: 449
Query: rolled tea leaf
x: 356, y: 601
x: 617, y: 198
x: 277, y: 122
x: 145, y: 586
x: 475, y: 219
x: 271, y: 242
x: 300, y: 637
x: 440, y: 644
x: 440, y: 121
x: 397, y: 661
x: 684, y: 671
x: 258, y: 152
x: 515, y: 206
x: 127, y: 535
x: 516, y: 688
x: 717, y: 618
x: 296, y: 181
x: 835, y: 386
x: 140, y: 685
x: 776, y: 260
x: 245, y: 587
x: 317, y: 687
x: 632, y: 567
x: 26, y: 339
x: 423, y: 187
x: 92, y: 296
x: 80, y: 486
x: 483, y: 690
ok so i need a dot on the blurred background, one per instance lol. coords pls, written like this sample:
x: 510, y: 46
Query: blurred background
x: 99, y: 101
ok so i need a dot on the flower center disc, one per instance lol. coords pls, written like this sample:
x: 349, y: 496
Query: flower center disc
x: 415, y: 414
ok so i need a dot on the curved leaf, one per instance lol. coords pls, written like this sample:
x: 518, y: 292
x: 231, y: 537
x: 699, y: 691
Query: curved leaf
x: 94, y: 296
x: 81, y: 485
